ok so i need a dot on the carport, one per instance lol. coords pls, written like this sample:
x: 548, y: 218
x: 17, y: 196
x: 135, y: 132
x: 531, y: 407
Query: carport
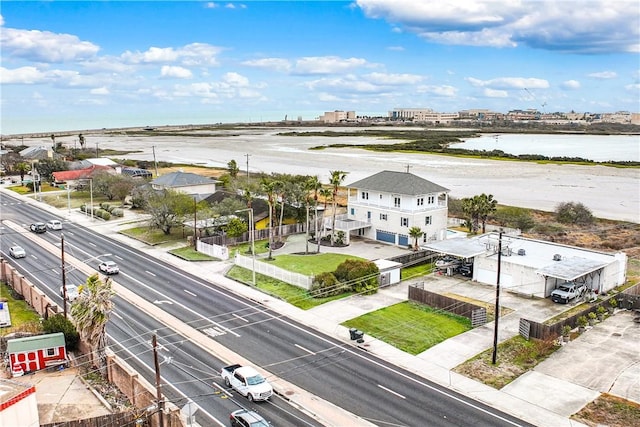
x: 461, y: 248
x: 574, y: 269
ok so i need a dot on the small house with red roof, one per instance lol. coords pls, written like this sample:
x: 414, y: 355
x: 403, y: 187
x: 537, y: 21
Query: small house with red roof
x: 74, y: 177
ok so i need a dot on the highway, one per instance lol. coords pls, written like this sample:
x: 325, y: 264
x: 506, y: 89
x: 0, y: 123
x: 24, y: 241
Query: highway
x: 337, y: 372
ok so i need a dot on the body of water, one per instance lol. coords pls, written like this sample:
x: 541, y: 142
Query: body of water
x: 599, y: 148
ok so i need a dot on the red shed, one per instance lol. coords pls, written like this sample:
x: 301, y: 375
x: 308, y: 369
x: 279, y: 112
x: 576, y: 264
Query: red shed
x: 37, y: 352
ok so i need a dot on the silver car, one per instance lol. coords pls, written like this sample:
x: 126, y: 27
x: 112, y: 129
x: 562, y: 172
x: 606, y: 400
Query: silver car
x: 17, y: 252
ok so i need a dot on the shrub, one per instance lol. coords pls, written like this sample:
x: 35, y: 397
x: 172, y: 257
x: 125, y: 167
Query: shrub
x: 582, y: 321
x: 325, y: 285
x: 573, y: 213
x: 361, y: 275
x: 106, y: 215
x: 58, y: 323
x: 118, y: 212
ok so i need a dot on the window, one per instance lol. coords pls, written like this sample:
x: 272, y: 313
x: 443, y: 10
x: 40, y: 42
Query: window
x: 404, y: 222
x: 427, y: 220
x: 383, y: 217
x: 365, y: 195
x: 51, y: 352
x: 353, y: 211
x: 396, y: 202
x: 431, y: 200
x: 420, y: 201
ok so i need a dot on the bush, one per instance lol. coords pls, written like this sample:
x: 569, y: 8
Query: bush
x: 325, y: 285
x: 361, y: 275
x: 118, y: 212
x: 59, y: 323
x: 573, y: 213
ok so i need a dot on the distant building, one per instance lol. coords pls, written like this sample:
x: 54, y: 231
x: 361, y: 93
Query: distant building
x: 426, y: 115
x: 186, y: 182
x: 338, y: 116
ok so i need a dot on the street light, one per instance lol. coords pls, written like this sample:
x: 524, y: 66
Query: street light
x: 253, y: 248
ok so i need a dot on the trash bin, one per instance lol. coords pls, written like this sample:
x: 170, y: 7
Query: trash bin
x: 355, y: 334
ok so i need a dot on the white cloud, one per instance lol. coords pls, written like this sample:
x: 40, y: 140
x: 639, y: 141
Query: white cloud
x: 591, y: 26
x: 190, y: 55
x: 444, y: 91
x: 604, y: 75
x: 235, y: 79
x: 571, y: 84
x: 494, y: 93
x: 396, y: 48
x: 327, y: 65
x: 44, y: 46
x: 510, y: 83
x: 22, y: 75
x: 175, y: 72
x: 346, y: 84
x: 99, y: 91
x: 210, y: 5
x: 276, y: 64
x: 393, y: 79
x: 633, y: 86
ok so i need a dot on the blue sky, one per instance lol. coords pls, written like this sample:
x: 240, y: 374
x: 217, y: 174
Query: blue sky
x: 83, y: 65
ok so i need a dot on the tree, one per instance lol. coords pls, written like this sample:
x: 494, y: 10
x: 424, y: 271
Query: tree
x: 90, y: 312
x: 236, y: 227
x: 22, y: 168
x: 471, y: 213
x: 486, y: 206
x: 510, y: 216
x: 573, y: 213
x: 233, y: 168
x: 311, y: 187
x: 59, y: 323
x: 168, y: 208
x: 46, y: 168
x: 415, y: 233
x: 268, y: 187
x: 326, y: 194
x: 336, y: 179
x: 82, y: 141
x: 112, y: 186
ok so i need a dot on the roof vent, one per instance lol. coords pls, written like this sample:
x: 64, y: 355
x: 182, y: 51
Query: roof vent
x: 557, y: 257
x: 521, y: 252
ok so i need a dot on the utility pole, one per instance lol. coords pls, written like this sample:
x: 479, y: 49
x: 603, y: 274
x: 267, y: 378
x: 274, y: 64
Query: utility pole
x: 154, y: 343
x: 97, y: 156
x: 497, y: 309
x: 64, y: 278
x: 247, y: 156
x: 195, y: 222
x: 155, y: 163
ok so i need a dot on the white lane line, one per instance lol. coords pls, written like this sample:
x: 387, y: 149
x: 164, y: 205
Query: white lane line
x: 148, y: 272
x: 190, y: 293
x: 92, y: 244
x: 117, y: 315
x: 119, y: 257
x: 305, y: 349
x: 391, y: 391
x: 240, y: 317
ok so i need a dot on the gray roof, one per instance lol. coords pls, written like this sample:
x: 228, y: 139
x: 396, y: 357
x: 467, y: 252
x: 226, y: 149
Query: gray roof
x: 460, y: 247
x: 571, y: 268
x: 182, y: 179
x: 399, y: 183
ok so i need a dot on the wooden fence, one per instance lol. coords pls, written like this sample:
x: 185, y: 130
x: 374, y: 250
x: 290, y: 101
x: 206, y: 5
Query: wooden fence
x: 442, y: 302
x: 287, y: 230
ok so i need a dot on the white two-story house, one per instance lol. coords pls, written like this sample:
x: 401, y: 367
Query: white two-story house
x: 386, y: 205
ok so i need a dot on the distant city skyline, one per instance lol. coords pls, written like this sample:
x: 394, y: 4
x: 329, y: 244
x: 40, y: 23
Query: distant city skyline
x: 86, y: 65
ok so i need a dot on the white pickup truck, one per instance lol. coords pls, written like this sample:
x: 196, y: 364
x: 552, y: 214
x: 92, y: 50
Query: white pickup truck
x: 568, y: 291
x: 247, y: 381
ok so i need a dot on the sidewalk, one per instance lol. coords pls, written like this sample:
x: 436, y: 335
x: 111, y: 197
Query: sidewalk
x: 546, y: 396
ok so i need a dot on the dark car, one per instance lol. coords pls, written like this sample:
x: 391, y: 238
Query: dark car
x: 245, y: 418
x: 466, y: 270
x: 38, y: 227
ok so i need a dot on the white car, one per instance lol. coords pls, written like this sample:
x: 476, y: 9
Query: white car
x: 54, y: 224
x: 17, y: 252
x: 72, y: 292
x: 109, y: 267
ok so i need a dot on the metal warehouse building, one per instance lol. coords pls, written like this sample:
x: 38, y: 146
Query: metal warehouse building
x: 534, y: 267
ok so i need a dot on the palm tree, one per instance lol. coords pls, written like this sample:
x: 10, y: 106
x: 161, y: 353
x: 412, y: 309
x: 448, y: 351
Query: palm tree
x: 325, y: 193
x: 312, y: 185
x: 337, y: 177
x: 415, y: 232
x: 82, y: 141
x: 486, y: 206
x: 22, y: 168
x: 91, y: 313
x: 268, y: 187
x: 470, y: 208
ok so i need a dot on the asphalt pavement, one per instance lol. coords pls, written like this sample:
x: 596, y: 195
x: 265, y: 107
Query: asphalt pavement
x: 604, y: 359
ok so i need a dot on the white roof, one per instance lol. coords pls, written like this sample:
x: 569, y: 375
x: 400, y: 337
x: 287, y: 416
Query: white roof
x: 101, y: 161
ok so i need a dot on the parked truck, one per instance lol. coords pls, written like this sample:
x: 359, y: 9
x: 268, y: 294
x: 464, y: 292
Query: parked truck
x: 568, y: 291
x: 247, y: 381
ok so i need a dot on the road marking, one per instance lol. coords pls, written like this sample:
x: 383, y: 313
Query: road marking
x: 148, y: 272
x: 117, y: 315
x: 391, y: 391
x: 92, y: 244
x: 190, y: 293
x: 240, y: 317
x: 119, y: 257
x: 163, y: 301
x: 213, y: 331
x: 305, y: 349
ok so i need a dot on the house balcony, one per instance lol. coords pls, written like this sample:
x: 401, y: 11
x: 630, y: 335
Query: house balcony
x: 343, y: 223
x: 355, y: 203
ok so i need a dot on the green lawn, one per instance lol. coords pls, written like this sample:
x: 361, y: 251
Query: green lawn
x: 23, y: 317
x: 289, y: 293
x: 261, y: 247
x: 311, y: 264
x: 154, y: 236
x: 190, y: 254
x: 409, y: 326
x: 416, y: 271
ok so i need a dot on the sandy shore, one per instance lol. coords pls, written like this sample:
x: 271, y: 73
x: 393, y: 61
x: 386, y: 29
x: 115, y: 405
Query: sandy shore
x: 609, y: 192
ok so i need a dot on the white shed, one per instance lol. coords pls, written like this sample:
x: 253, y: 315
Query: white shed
x: 389, y: 272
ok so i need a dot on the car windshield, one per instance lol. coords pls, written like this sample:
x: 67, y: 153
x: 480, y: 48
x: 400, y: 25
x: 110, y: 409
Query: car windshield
x: 255, y: 380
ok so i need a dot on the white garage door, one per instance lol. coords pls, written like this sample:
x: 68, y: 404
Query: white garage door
x: 489, y: 277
